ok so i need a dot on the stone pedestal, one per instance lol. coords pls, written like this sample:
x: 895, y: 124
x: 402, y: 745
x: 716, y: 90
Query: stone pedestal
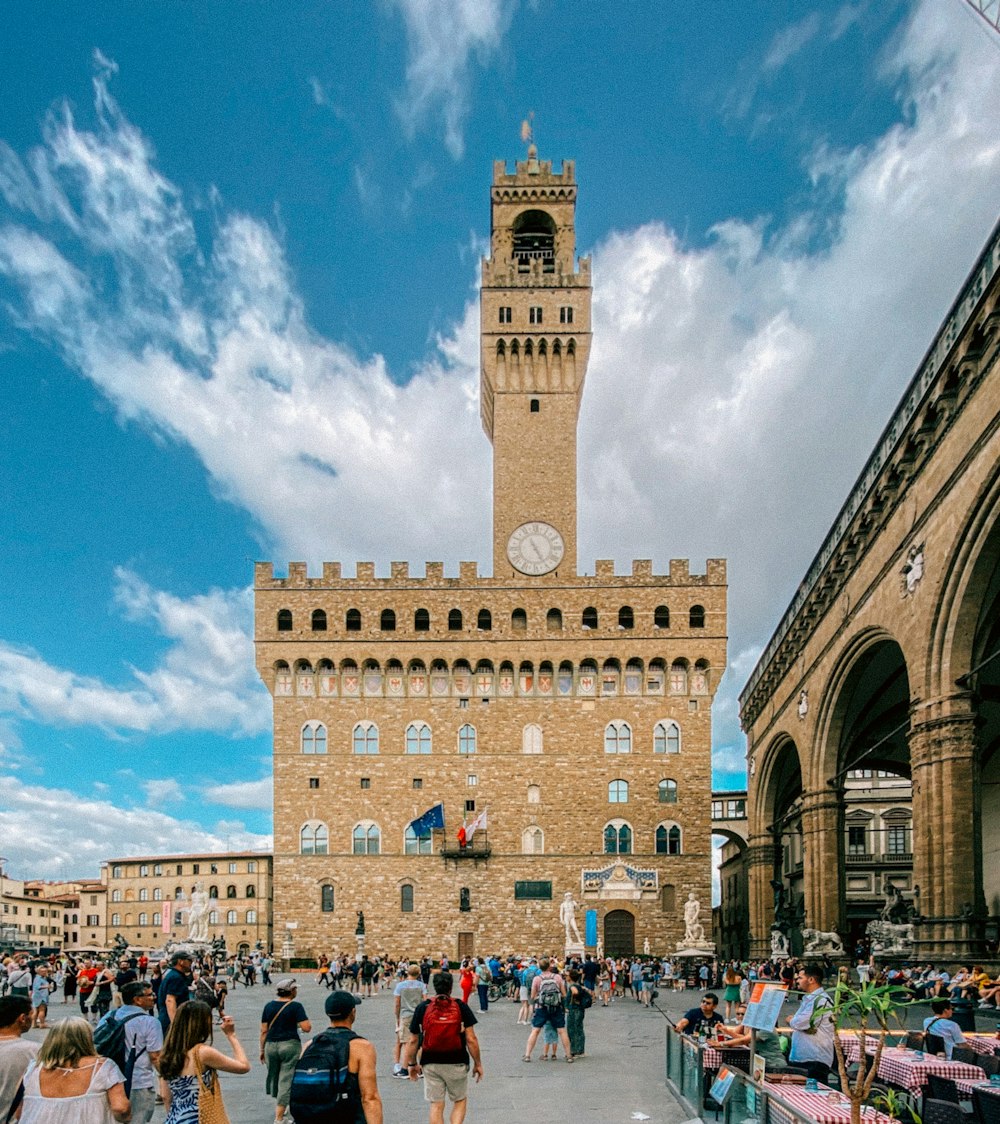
x: 574, y: 949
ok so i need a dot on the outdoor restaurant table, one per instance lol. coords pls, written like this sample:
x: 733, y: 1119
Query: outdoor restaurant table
x: 983, y: 1043
x: 902, y: 1067
x: 825, y: 1106
x: 987, y: 1086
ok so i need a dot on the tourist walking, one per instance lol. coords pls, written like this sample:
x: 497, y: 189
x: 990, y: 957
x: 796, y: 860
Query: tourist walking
x: 15, y: 1051
x: 731, y: 996
x: 548, y: 993
x: 280, y: 1045
x: 143, y: 1042
x: 446, y: 1041
x: 407, y: 996
x: 578, y: 999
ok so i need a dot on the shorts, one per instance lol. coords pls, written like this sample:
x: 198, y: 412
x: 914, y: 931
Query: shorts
x: 523, y: 993
x: 441, y: 1078
x: 554, y: 1015
x: 403, y: 1030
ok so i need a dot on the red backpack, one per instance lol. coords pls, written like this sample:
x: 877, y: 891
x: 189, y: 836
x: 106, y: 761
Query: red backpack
x: 442, y: 1026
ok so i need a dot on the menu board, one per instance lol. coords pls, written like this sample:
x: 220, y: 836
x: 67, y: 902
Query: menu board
x: 765, y: 1006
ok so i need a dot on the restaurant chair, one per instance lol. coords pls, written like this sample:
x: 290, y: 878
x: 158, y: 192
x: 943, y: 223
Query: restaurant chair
x: 964, y: 1054
x: 915, y: 1040
x: 985, y: 1107
x: 988, y: 1063
x: 736, y: 1057
x: 934, y: 1044
x: 941, y: 1089
x: 942, y: 1112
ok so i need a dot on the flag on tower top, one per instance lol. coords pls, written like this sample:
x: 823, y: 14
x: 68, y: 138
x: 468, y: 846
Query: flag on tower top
x: 433, y: 818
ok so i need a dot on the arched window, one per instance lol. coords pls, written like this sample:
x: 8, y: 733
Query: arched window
x: 421, y: 621
x: 213, y: 891
x: 661, y: 617
x: 251, y: 916
x: 313, y: 840
x: 319, y: 620
x: 143, y: 894
x: 534, y: 794
x: 406, y: 898
x: 143, y: 918
x: 696, y: 618
x: 178, y: 893
x: 157, y: 894
x: 484, y: 621
x: 413, y: 844
x: 157, y: 919
x: 617, y: 737
x: 531, y: 739
x: 367, y: 839
x: 589, y: 617
x: 454, y: 620
x: 231, y: 917
x: 666, y: 791
x: 116, y: 895
x: 326, y: 899
x: 230, y: 891
x: 553, y: 620
x: 418, y: 738
x: 352, y: 620
x: 668, y: 839
x: 251, y: 891
x: 387, y: 620
x: 618, y: 792
x: 666, y: 737
x: 116, y: 918
x: 618, y: 838
x: 313, y: 737
x: 365, y: 738
x: 626, y: 618
x: 532, y: 841
x: 467, y: 739
x: 519, y: 620
x: 284, y: 620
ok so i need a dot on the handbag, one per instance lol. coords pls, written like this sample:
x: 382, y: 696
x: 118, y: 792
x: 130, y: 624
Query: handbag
x: 211, y: 1110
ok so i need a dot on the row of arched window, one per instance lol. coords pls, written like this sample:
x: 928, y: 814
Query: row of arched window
x: 366, y: 839
x: 587, y: 679
x: 418, y: 739
x: 319, y: 620
x: 157, y: 894
x: 232, y: 918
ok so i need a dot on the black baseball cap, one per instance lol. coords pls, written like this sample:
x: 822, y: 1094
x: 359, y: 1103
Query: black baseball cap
x: 339, y: 1004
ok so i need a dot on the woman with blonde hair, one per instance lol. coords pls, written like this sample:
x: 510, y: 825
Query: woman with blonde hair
x: 732, y: 980
x: 188, y: 1064
x: 68, y: 1083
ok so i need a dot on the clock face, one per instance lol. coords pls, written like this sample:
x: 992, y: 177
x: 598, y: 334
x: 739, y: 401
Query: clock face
x: 535, y: 548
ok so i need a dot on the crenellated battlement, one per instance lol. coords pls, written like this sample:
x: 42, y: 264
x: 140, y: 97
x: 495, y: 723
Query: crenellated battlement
x: 534, y: 174
x: 399, y: 576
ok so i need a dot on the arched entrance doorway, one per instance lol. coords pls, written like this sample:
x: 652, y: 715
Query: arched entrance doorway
x: 619, y: 933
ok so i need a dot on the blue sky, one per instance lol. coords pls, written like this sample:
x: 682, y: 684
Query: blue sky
x: 239, y: 250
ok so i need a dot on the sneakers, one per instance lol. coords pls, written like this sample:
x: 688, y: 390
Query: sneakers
x: 400, y: 1071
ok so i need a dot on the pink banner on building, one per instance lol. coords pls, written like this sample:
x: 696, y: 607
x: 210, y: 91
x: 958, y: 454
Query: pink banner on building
x: 168, y: 916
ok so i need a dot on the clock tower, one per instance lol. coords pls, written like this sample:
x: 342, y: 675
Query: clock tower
x: 535, y: 329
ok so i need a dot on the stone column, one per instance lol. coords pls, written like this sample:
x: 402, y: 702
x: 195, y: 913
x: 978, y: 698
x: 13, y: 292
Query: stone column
x: 823, y: 859
x: 759, y: 858
x: 947, y: 847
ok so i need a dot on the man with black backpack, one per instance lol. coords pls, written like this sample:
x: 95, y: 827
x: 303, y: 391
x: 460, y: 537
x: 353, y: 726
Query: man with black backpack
x: 335, y: 1078
x: 548, y: 996
x: 132, y: 1038
x: 446, y: 1041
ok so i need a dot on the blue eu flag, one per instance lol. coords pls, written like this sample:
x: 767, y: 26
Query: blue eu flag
x: 433, y: 818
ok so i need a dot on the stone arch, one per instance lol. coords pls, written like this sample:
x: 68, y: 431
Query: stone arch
x: 779, y: 779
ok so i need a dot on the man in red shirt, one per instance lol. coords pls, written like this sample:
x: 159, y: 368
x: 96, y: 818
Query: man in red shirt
x: 85, y: 984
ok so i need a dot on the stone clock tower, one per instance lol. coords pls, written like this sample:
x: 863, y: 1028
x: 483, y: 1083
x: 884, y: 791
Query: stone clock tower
x: 535, y: 316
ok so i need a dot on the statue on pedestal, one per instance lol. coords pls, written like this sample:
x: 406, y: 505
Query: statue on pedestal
x: 567, y: 915
x: 360, y: 930
x: 198, y: 915
x: 694, y: 931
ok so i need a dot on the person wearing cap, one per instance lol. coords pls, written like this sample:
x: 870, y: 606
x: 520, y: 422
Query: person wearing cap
x: 280, y: 1046
x: 175, y: 988
x: 362, y: 1086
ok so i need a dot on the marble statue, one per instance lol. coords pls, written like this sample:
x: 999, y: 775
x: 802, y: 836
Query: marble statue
x: 198, y: 915
x: 645, y: 947
x: 816, y: 940
x: 567, y: 915
x: 694, y: 931
x: 779, y: 944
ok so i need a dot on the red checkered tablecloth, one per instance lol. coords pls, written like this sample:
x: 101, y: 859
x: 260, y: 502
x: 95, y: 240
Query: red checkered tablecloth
x: 966, y: 1087
x: 903, y: 1068
x: 983, y: 1043
x: 824, y: 1107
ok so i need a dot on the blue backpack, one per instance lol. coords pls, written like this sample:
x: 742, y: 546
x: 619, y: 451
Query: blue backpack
x: 323, y: 1091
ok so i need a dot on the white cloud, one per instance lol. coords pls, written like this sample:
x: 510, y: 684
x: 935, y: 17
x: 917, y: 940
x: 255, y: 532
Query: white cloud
x: 164, y: 791
x: 257, y: 795
x: 40, y: 828
x: 444, y: 36
x: 757, y: 370
x: 792, y: 39
x: 206, y: 679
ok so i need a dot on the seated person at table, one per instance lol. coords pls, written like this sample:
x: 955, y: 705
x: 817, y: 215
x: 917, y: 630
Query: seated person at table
x: 768, y: 1043
x: 941, y: 1024
x: 703, y: 1016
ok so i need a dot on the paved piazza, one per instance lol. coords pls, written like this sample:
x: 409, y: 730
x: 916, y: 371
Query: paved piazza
x: 622, y: 1073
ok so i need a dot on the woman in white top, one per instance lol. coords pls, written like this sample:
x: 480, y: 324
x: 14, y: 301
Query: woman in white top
x: 69, y: 1084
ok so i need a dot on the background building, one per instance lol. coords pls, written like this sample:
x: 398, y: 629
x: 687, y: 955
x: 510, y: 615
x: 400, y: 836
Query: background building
x: 148, y: 898
x: 888, y: 659
x: 574, y: 708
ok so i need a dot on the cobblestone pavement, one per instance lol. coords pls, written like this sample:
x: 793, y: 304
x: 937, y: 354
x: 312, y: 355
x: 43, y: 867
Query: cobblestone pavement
x: 622, y: 1074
